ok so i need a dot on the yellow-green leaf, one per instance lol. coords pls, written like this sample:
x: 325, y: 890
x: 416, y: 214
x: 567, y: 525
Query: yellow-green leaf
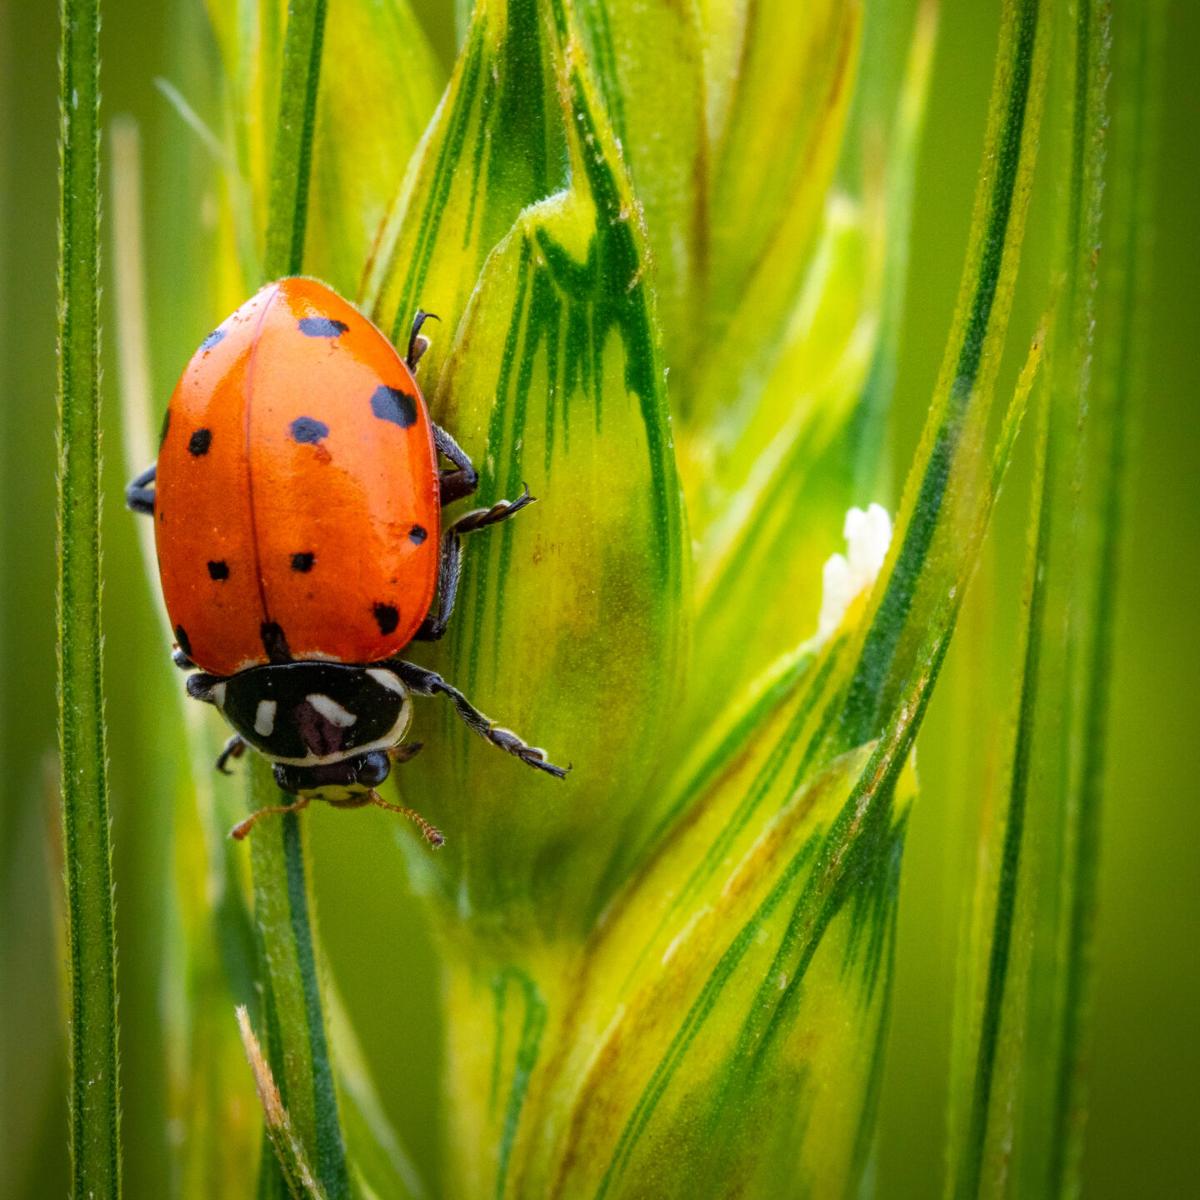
x: 571, y: 619
x: 648, y: 61
x: 494, y: 147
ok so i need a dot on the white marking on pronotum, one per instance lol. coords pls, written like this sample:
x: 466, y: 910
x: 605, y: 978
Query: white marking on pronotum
x: 331, y: 710
x: 264, y: 718
x: 217, y: 694
x: 386, y: 679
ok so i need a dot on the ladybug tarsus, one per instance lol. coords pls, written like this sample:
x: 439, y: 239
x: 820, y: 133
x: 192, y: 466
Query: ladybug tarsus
x: 139, y: 495
x: 424, y: 682
x: 234, y: 748
x: 417, y: 345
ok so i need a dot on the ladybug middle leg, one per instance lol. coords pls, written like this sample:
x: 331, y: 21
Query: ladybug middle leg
x: 429, y: 683
x: 450, y: 567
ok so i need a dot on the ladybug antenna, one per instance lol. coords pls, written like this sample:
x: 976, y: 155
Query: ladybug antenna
x: 433, y: 835
x: 417, y: 342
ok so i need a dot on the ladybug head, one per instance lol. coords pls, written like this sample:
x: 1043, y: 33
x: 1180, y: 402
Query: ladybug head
x: 347, y: 782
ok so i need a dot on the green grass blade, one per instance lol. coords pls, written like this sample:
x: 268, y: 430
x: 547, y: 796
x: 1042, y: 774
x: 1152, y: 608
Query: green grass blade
x: 282, y: 901
x: 95, y: 1098
x: 1025, y: 1095
x: 291, y: 165
x: 948, y: 479
x: 283, y: 914
x: 1120, y: 308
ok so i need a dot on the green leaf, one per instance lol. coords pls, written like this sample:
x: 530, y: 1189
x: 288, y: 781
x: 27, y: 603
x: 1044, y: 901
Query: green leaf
x: 363, y: 124
x: 91, y: 939
x: 648, y: 61
x: 653, y: 1063
x: 773, y: 148
x: 554, y: 379
x: 379, y: 86
x: 768, y: 487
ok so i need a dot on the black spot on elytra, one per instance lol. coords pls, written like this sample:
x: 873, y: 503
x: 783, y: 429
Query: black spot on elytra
x: 322, y: 327
x: 417, y: 534
x: 303, y: 562
x: 183, y: 641
x: 387, y: 618
x: 199, y: 442
x: 162, y: 436
x: 392, y: 404
x: 213, y: 338
x: 218, y: 570
x: 309, y: 429
x: 274, y: 642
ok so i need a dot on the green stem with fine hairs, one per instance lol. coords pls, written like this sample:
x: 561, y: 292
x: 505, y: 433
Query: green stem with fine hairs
x: 91, y: 937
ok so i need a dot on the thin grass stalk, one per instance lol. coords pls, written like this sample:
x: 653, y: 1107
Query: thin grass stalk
x: 1120, y: 308
x: 94, y: 1083
x: 1033, y: 1022
x: 283, y: 904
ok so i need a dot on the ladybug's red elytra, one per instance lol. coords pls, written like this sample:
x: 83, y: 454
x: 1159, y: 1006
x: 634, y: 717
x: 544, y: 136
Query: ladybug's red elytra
x: 297, y: 514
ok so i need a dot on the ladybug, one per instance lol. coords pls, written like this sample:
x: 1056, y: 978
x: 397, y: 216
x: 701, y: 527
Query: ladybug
x: 297, y: 505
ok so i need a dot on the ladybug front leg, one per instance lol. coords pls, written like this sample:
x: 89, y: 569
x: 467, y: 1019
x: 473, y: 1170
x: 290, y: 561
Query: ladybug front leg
x: 450, y: 568
x: 139, y: 495
x: 234, y: 748
x: 429, y: 683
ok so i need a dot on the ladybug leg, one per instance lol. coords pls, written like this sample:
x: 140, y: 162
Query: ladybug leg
x: 417, y: 344
x: 450, y: 568
x: 234, y: 748
x: 429, y: 683
x: 464, y: 479
x: 139, y: 495
x: 403, y: 753
x: 181, y: 660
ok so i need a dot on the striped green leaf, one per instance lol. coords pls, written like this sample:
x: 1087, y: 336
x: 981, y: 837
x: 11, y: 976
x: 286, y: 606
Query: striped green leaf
x: 495, y: 146
x: 648, y: 60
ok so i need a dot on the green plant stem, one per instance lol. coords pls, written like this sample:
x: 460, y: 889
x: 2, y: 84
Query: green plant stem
x: 95, y: 1099
x: 282, y: 901
x: 282, y: 908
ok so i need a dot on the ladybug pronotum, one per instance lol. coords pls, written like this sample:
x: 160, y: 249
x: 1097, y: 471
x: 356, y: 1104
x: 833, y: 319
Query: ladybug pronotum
x: 297, y: 515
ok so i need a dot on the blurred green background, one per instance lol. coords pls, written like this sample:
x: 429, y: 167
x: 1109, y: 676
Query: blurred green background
x: 1145, y: 1066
